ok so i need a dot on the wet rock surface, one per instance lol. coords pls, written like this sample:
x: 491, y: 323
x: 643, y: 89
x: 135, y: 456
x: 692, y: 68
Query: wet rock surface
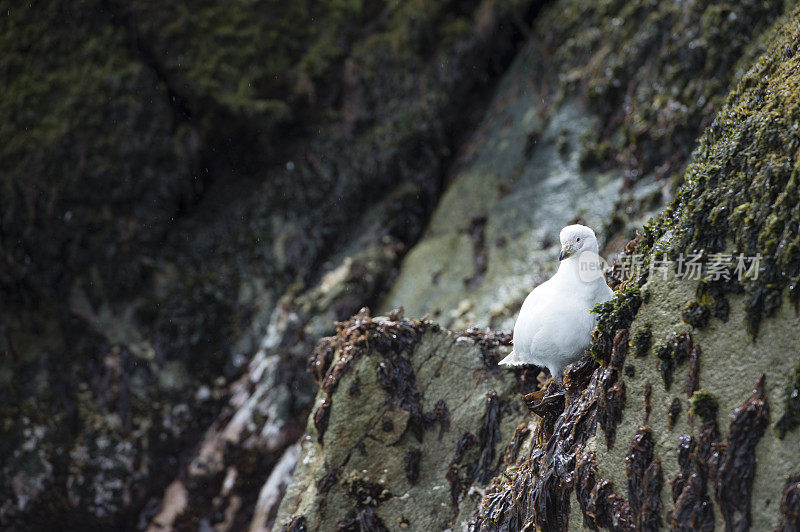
x: 414, y: 448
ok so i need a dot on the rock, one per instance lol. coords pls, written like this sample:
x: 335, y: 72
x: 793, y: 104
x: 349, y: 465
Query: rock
x: 598, y: 112
x: 732, y: 374
x: 252, y: 441
x: 410, y: 423
x: 157, y: 210
x: 171, y: 249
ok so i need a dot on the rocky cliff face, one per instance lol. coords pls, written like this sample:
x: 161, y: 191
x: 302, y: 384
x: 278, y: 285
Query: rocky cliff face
x: 188, y: 213
x: 696, y: 387
x: 679, y: 385
x: 181, y: 184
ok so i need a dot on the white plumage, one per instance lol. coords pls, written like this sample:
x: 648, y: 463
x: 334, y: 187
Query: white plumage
x: 554, y: 324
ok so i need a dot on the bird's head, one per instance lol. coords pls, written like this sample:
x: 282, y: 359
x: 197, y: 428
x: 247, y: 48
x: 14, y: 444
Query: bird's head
x: 576, y: 238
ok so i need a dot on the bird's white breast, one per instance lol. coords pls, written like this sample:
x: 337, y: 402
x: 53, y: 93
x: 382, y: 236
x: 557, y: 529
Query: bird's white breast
x: 554, y: 322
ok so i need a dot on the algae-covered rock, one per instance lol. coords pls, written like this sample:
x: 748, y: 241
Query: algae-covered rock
x: 698, y: 439
x: 94, y: 163
x: 410, y: 423
x: 598, y: 111
x: 192, y: 196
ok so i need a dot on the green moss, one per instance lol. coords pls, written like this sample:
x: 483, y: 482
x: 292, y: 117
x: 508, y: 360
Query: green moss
x: 92, y: 163
x: 595, y: 154
x: 654, y: 71
x: 613, y: 316
x: 704, y: 405
x: 790, y: 419
x: 739, y: 194
x: 618, y: 313
x: 241, y: 56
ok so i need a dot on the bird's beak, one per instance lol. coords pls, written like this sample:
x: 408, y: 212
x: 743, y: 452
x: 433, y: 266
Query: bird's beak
x: 567, y: 250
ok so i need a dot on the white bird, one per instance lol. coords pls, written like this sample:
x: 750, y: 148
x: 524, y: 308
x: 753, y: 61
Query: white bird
x: 554, y: 324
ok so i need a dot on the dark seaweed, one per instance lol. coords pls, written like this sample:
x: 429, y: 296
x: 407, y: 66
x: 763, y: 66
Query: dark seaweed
x: 320, y: 360
x: 441, y: 415
x: 327, y: 481
x: 642, y: 341
x: 790, y: 505
x: 364, y: 520
x: 710, y: 300
x: 644, y: 481
x: 535, y: 493
x: 297, y: 523
x: 548, y: 405
x: 695, y: 314
x: 488, y: 340
x: 648, y: 392
x: 466, y: 442
x: 611, y: 400
x: 790, y: 419
x: 693, y: 377
x: 322, y: 415
x: 397, y: 378
x: 673, y: 412
x: 610, y: 403
x: 411, y: 462
x: 602, y: 345
x: 601, y: 507
x: 538, y: 496
x: 737, y: 462
x: 674, y: 350
x: 704, y: 405
x: 477, y: 232
x: 577, y: 375
x: 357, y: 337
x: 520, y: 434
x: 691, y: 508
x: 489, y: 437
x: 613, y: 316
x: 619, y: 349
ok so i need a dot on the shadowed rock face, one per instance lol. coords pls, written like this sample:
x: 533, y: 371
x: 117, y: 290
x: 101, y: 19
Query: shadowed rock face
x: 179, y: 184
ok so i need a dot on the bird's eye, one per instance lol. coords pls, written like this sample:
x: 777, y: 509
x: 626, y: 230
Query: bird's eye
x: 579, y: 239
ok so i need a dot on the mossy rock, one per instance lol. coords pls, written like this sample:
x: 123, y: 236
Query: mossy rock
x: 712, y: 427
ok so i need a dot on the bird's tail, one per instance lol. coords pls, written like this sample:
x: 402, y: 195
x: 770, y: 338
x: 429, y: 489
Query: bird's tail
x: 512, y: 360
